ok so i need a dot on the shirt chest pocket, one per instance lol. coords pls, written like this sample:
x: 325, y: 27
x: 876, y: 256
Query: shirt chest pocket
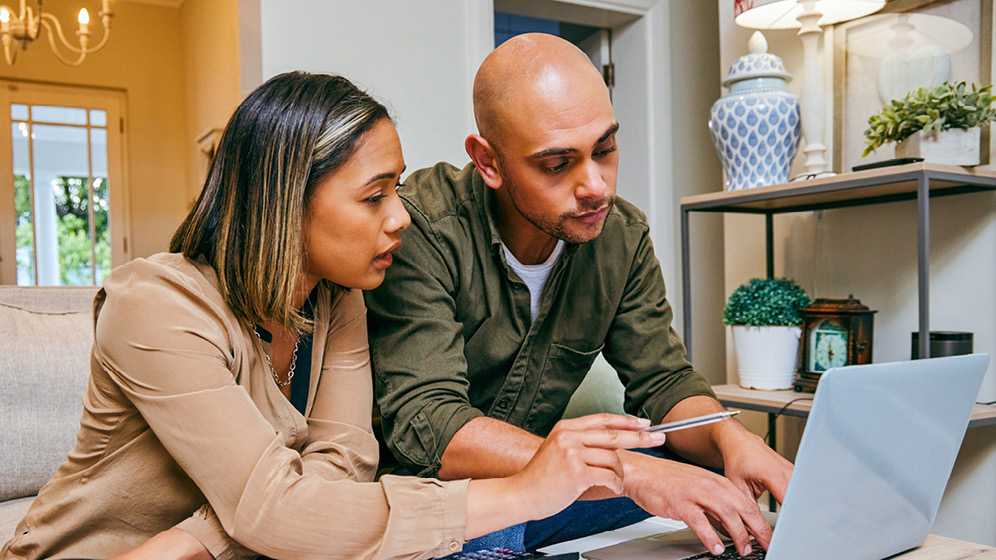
x: 565, y: 369
x: 566, y: 358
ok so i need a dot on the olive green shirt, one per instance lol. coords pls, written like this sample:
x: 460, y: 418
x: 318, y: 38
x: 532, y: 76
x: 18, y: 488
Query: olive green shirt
x: 451, y: 337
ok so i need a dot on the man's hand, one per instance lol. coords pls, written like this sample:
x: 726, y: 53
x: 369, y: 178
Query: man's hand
x: 698, y: 497
x: 753, y: 467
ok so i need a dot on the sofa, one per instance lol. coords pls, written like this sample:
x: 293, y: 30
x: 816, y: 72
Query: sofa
x: 45, y: 339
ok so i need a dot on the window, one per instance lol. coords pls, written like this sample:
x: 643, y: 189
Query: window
x: 62, y: 209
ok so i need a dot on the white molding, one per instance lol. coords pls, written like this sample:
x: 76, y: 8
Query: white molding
x: 635, y: 7
x: 595, y: 13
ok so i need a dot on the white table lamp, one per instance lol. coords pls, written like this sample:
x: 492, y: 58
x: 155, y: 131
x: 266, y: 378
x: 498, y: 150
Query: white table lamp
x: 809, y: 16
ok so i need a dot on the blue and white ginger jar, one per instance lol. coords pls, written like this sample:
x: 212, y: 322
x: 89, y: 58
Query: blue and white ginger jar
x: 755, y: 126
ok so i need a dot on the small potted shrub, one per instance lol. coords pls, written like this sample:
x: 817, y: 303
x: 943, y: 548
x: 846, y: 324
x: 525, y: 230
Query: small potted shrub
x: 764, y: 314
x: 939, y: 124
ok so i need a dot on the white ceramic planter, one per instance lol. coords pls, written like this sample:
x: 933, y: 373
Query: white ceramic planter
x: 954, y: 146
x: 766, y: 356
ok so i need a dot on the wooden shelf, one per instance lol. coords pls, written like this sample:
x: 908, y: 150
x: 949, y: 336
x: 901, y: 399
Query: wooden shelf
x: 915, y: 181
x: 887, y: 184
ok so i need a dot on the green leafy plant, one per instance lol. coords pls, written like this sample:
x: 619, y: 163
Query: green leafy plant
x: 939, y: 108
x: 766, y: 302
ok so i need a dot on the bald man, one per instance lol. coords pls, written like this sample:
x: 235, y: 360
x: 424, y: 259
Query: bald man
x: 517, y: 271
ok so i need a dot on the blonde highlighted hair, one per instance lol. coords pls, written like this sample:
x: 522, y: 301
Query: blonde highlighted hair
x: 283, y: 140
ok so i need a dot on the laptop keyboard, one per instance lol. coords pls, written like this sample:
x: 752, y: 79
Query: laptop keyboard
x: 731, y: 553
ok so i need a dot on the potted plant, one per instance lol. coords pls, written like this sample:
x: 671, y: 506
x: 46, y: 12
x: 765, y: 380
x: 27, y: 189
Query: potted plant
x: 939, y: 124
x: 764, y: 314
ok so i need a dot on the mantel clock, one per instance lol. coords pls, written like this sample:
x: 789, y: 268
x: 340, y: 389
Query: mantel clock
x: 835, y: 333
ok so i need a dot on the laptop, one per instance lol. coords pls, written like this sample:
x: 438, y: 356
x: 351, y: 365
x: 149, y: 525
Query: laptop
x: 872, y: 465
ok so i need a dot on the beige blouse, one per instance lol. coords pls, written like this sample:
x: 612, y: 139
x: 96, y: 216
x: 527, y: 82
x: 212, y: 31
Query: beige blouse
x: 184, y: 427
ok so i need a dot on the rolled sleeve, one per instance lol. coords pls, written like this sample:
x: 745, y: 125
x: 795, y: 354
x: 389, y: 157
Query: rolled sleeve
x: 417, y: 348
x: 642, y: 345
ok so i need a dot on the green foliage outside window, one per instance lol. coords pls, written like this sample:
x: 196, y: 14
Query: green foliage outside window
x: 766, y: 302
x: 72, y: 213
x: 24, y: 231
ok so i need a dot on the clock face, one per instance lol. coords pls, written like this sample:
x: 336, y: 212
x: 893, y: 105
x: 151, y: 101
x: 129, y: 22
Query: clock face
x: 827, y: 346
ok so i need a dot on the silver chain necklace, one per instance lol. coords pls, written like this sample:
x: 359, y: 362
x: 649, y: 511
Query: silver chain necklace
x: 293, y: 364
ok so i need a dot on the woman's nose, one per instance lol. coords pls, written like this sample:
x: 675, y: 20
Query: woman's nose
x: 399, y: 219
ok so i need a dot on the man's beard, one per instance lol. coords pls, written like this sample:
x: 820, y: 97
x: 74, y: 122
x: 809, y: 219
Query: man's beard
x: 558, y: 228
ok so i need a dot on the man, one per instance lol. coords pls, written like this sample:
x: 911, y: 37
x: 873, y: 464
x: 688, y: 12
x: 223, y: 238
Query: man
x: 515, y: 273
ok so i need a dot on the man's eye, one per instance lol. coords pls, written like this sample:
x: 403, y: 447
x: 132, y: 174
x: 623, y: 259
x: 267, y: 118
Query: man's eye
x: 555, y: 168
x: 605, y: 152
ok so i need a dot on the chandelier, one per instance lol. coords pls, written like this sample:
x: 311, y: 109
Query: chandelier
x: 20, y: 29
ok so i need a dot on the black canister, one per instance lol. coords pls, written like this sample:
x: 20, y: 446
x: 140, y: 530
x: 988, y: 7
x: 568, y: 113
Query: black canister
x: 944, y: 343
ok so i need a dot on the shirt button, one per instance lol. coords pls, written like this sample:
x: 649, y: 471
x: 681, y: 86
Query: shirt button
x: 503, y: 404
x: 453, y: 546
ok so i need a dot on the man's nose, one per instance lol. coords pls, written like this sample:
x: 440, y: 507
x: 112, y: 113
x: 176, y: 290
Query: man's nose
x: 590, y: 182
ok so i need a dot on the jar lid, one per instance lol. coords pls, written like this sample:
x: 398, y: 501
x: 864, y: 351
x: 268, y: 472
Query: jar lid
x: 758, y: 64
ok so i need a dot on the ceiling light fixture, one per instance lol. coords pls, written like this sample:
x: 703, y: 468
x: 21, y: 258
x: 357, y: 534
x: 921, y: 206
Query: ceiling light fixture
x: 19, y: 29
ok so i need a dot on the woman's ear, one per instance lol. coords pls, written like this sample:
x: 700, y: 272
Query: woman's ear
x: 485, y: 158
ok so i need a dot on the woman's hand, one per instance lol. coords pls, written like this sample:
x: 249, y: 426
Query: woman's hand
x: 173, y: 544
x: 577, y: 455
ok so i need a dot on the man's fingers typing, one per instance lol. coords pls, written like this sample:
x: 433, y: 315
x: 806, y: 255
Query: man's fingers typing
x: 699, y: 524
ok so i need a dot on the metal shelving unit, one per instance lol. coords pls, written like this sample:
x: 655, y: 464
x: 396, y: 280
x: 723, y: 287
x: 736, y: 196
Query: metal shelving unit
x: 915, y: 181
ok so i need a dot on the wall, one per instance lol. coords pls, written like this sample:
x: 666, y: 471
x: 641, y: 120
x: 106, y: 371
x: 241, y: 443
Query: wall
x: 413, y: 56
x: 695, y: 169
x: 142, y: 58
x: 871, y: 252
x: 209, y: 31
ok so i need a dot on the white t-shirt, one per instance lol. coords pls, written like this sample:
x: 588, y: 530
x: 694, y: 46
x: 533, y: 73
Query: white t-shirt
x: 534, y: 275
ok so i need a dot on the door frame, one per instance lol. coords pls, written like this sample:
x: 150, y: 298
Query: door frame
x: 119, y: 214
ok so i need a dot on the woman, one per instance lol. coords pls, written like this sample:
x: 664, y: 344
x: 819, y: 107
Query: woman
x: 228, y: 411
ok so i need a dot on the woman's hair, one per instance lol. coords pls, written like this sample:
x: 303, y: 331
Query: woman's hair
x: 283, y: 140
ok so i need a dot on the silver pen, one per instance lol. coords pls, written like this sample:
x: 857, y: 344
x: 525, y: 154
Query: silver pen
x: 693, y: 422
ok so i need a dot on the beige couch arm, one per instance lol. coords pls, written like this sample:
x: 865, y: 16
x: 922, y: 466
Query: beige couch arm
x: 45, y: 339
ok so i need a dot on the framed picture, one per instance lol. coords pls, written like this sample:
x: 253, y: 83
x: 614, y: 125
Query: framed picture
x: 908, y: 45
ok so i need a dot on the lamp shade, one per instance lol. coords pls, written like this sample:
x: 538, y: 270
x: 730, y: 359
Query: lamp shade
x: 781, y: 14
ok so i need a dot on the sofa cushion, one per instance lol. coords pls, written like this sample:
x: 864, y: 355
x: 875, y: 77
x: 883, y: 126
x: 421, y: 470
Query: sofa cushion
x: 44, y: 367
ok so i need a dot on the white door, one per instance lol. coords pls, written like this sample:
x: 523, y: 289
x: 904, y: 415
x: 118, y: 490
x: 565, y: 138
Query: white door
x: 63, y: 197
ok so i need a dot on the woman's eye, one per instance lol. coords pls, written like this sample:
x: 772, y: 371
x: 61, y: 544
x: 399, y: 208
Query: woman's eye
x: 376, y: 198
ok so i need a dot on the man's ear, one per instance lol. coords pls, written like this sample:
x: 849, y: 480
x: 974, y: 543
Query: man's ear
x: 485, y: 158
